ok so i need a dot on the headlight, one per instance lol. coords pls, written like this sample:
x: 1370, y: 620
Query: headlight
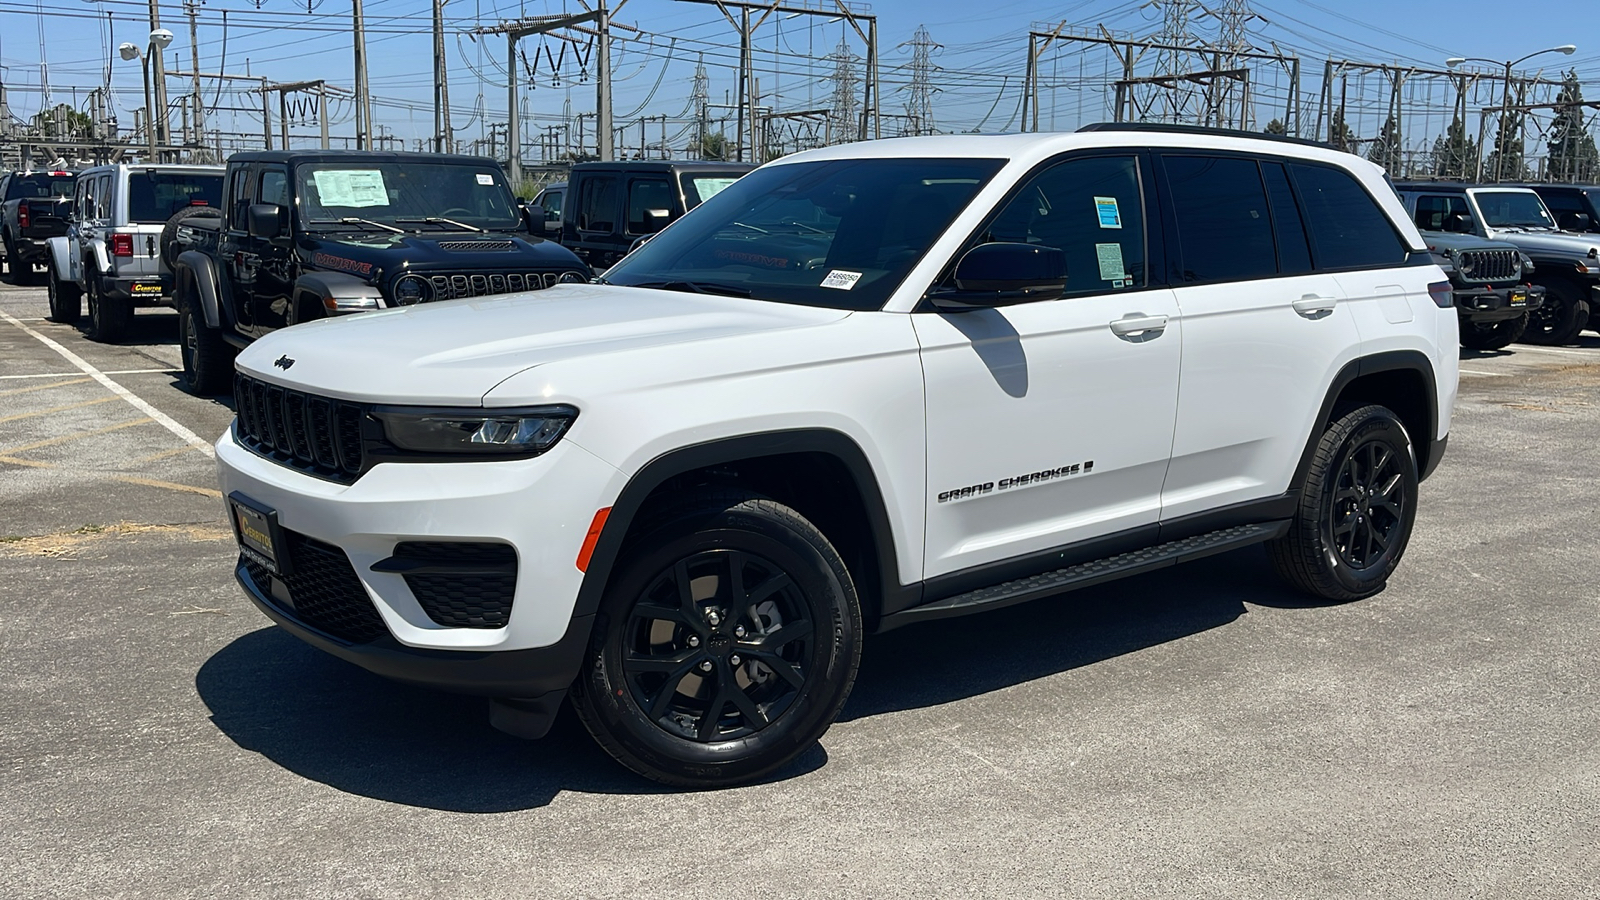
x: 1465, y: 264
x: 1527, y: 261
x: 482, y: 432
x: 412, y: 289
x: 573, y: 278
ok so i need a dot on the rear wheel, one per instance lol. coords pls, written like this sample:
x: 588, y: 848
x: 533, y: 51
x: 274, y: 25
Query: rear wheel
x: 727, y: 643
x: 66, y: 300
x: 1356, y: 508
x: 1492, y: 335
x: 109, y: 317
x: 1562, y: 315
x: 206, y: 356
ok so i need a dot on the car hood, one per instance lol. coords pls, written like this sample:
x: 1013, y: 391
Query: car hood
x: 1449, y: 240
x: 453, y: 353
x: 1558, y: 242
x: 379, y: 254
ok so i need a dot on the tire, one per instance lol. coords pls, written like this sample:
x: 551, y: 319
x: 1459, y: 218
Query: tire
x: 1492, y: 335
x: 1356, y: 509
x: 1559, y: 319
x: 207, y: 358
x: 109, y: 318
x: 169, y: 232
x: 66, y: 299
x: 796, y: 643
x: 11, y: 256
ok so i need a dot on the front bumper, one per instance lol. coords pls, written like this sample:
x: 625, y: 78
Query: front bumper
x: 542, y: 507
x: 1486, y: 304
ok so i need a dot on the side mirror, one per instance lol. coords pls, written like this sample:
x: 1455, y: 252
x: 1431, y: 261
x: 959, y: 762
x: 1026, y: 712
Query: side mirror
x: 1575, y: 221
x: 1458, y: 223
x: 264, y: 220
x: 1004, y: 274
x: 552, y: 221
x: 656, y: 219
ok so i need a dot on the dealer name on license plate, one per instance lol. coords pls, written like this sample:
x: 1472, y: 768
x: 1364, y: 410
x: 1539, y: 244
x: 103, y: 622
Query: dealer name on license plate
x: 256, y: 532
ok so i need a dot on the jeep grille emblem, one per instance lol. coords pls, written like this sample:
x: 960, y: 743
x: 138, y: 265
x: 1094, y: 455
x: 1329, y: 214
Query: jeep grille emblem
x: 283, y: 362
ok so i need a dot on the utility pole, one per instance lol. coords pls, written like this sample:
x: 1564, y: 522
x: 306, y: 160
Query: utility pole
x: 363, y: 98
x: 603, y: 83
x: 192, y: 7
x: 318, y: 86
x: 441, y: 85
x: 158, y: 114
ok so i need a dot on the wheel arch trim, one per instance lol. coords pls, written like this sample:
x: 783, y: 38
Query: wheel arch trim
x: 199, y: 267
x: 1388, y: 361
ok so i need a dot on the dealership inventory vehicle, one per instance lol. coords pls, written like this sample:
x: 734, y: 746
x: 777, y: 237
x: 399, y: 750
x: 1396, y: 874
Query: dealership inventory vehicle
x: 861, y: 387
x: 1575, y: 206
x: 1490, y: 279
x: 1567, y: 265
x: 315, y: 233
x: 111, y: 252
x: 609, y: 206
x: 33, y: 209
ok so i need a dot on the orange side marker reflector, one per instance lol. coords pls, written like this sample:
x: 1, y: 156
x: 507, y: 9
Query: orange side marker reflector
x: 592, y: 538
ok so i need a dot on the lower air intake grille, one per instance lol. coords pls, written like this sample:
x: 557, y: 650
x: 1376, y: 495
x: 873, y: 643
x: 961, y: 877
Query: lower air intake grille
x: 323, y: 590
x: 468, y: 585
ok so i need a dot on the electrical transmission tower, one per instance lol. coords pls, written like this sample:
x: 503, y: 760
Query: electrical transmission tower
x: 919, y: 109
x: 842, y: 120
x: 1233, y: 38
x: 699, y: 101
x: 1175, y: 63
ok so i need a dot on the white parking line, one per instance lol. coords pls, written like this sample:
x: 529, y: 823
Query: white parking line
x: 165, y: 420
x: 117, y: 372
x: 1585, y: 352
x: 1489, y: 374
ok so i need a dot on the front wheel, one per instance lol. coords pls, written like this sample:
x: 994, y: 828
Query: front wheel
x: 1356, y: 508
x: 727, y: 642
x: 1562, y: 315
x: 206, y: 356
x: 66, y: 300
x: 1492, y: 335
x: 109, y: 317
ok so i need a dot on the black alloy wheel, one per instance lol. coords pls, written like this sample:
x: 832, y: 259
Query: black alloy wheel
x: 1357, y: 505
x: 207, y: 358
x: 727, y: 643
x: 1492, y: 335
x: 109, y: 317
x: 1561, y: 316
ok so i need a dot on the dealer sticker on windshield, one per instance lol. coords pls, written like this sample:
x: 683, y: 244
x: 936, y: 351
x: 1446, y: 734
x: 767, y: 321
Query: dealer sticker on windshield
x: 840, y: 280
x: 485, y: 179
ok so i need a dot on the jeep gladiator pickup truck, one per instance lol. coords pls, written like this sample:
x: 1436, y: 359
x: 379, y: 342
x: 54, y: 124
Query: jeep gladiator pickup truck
x: 33, y: 209
x: 111, y: 252
x: 862, y: 387
x: 308, y: 234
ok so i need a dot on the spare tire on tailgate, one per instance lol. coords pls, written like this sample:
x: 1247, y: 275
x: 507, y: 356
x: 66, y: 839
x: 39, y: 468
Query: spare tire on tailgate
x: 169, y: 234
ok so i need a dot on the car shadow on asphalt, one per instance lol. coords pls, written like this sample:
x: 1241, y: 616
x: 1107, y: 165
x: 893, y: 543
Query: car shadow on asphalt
x: 331, y: 722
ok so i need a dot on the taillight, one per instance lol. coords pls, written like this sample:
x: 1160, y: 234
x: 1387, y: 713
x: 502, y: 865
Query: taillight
x: 1443, y: 297
x: 122, y: 245
x: 22, y: 214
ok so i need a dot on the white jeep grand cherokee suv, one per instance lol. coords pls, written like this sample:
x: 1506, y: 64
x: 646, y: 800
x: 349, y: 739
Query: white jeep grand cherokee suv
x: 861, y: 387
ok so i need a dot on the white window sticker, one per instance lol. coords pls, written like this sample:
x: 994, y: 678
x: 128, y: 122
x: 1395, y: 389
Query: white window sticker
x: 486, y: 180
x: 841, y: 280
x: 1110, y: 258
x: 1106, y: 209
x: 351, y: 187
x: 710, y: 187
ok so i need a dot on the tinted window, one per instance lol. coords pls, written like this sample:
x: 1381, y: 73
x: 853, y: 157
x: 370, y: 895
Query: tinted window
x: 1224, y: 226
x: 1090, y: 209
x: 597, y: 204
x: 1294, y: 248
x: 836, y: 233
x: 241, y: 197
x: 35, y: 186
x: 1513, y: 209
x: 274, y: 187
x: 552, y: 202
x: 1348, y: 230
x: 156, y: 197
x: 1563, y: 201
x: 102, y: 199
x: 1434, y: 210
x: 645, y: 195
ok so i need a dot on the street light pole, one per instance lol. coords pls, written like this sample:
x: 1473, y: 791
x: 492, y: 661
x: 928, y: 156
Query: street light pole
x: 1503, y: 133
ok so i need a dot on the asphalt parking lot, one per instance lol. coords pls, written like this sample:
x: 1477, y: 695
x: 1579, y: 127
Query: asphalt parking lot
x: 1198, y: 732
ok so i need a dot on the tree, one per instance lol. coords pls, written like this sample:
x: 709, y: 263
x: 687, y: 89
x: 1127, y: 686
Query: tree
x: 1506, y: 163
x: 1385, y: 149
x: 1455, y: 153
x: 1275, y: 127
x: 62, y: 121
x: 1573, y: 156
x: 1340, y: 135
x: 714, y: 146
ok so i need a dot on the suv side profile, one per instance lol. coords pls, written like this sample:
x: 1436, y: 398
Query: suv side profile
x: 611, y: 206
x: 862, y: 387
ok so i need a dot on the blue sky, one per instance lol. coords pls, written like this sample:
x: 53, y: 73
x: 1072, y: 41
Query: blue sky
x: 980, y: 62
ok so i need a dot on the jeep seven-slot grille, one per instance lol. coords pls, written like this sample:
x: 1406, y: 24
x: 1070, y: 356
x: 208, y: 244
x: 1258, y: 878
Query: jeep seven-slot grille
x: 481, y: 284
x: 323, y: 589
x: 1488, y: 265
x: 317, y: 435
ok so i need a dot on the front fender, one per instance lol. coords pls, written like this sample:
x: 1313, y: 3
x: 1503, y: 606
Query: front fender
x: 63, y: 262
x: 192, y: 264
x: 338, y: 292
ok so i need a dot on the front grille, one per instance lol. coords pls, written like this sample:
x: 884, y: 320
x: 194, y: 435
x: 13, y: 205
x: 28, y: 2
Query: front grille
x: 324, y: 591
x: 1489, y: 265
x: 458, y: 246
x: 482, y: 284
x: 317, y: 435
x: 477, y: 595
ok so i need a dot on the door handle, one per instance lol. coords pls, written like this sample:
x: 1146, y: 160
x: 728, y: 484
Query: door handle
x: 1139, y: 326
x: 1314, y: 306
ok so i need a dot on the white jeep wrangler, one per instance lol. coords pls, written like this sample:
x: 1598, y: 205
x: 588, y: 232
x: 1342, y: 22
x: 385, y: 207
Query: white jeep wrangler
x: 862, y: 387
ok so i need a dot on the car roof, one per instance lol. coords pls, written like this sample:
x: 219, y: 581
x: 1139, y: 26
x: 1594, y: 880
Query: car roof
x: 287, y: 156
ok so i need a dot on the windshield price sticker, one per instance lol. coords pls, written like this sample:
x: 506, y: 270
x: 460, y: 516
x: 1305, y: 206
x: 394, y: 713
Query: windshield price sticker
x: 840, y: 280
x: 485, y: 180
x: 355, y: 188
x: 1106, y: 209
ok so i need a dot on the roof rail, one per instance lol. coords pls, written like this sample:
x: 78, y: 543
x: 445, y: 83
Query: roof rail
x: 1160, y: 128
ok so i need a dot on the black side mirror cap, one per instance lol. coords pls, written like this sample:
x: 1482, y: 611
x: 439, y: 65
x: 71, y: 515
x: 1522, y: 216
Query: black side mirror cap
x: 1004, y: 274
x: 1576, y: 221
x: 1458, y: 223
x: 264, y: 220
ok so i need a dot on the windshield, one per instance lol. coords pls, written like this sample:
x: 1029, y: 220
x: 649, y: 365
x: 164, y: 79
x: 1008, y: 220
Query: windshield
x: 155, y: 197
x: 838, y: 233
x: 402, y: 194
x: 41, y: 186
x: 1513, y: 209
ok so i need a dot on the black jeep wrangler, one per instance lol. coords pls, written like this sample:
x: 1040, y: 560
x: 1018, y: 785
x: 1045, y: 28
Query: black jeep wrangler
x: 610, y: 206
x: 1490, y: 286
x: 307, y: 234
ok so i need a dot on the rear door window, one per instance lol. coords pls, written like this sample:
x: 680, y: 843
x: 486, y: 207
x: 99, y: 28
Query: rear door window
x: 155, y: 197
x: 597, y: 204
x: 239, y: 200
x: 102, y: 198
x: 1348, y: 229
x: 1294, y: 247
x: 1224, y: 223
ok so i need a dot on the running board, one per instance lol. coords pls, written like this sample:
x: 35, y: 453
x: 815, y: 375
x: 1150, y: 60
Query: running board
x: 1089, y: 573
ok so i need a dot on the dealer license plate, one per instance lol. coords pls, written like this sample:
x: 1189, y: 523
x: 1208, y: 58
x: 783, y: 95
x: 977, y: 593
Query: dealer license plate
x: 1519, y: 297
x: 256, y: 527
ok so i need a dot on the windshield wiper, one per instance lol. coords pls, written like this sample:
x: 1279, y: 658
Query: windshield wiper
x: 694, y: 287
x: 437, y: 220
x: 352, y: 220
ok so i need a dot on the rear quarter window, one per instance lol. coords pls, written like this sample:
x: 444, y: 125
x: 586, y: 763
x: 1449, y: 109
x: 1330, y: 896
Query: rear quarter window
x: 1348, y: 229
